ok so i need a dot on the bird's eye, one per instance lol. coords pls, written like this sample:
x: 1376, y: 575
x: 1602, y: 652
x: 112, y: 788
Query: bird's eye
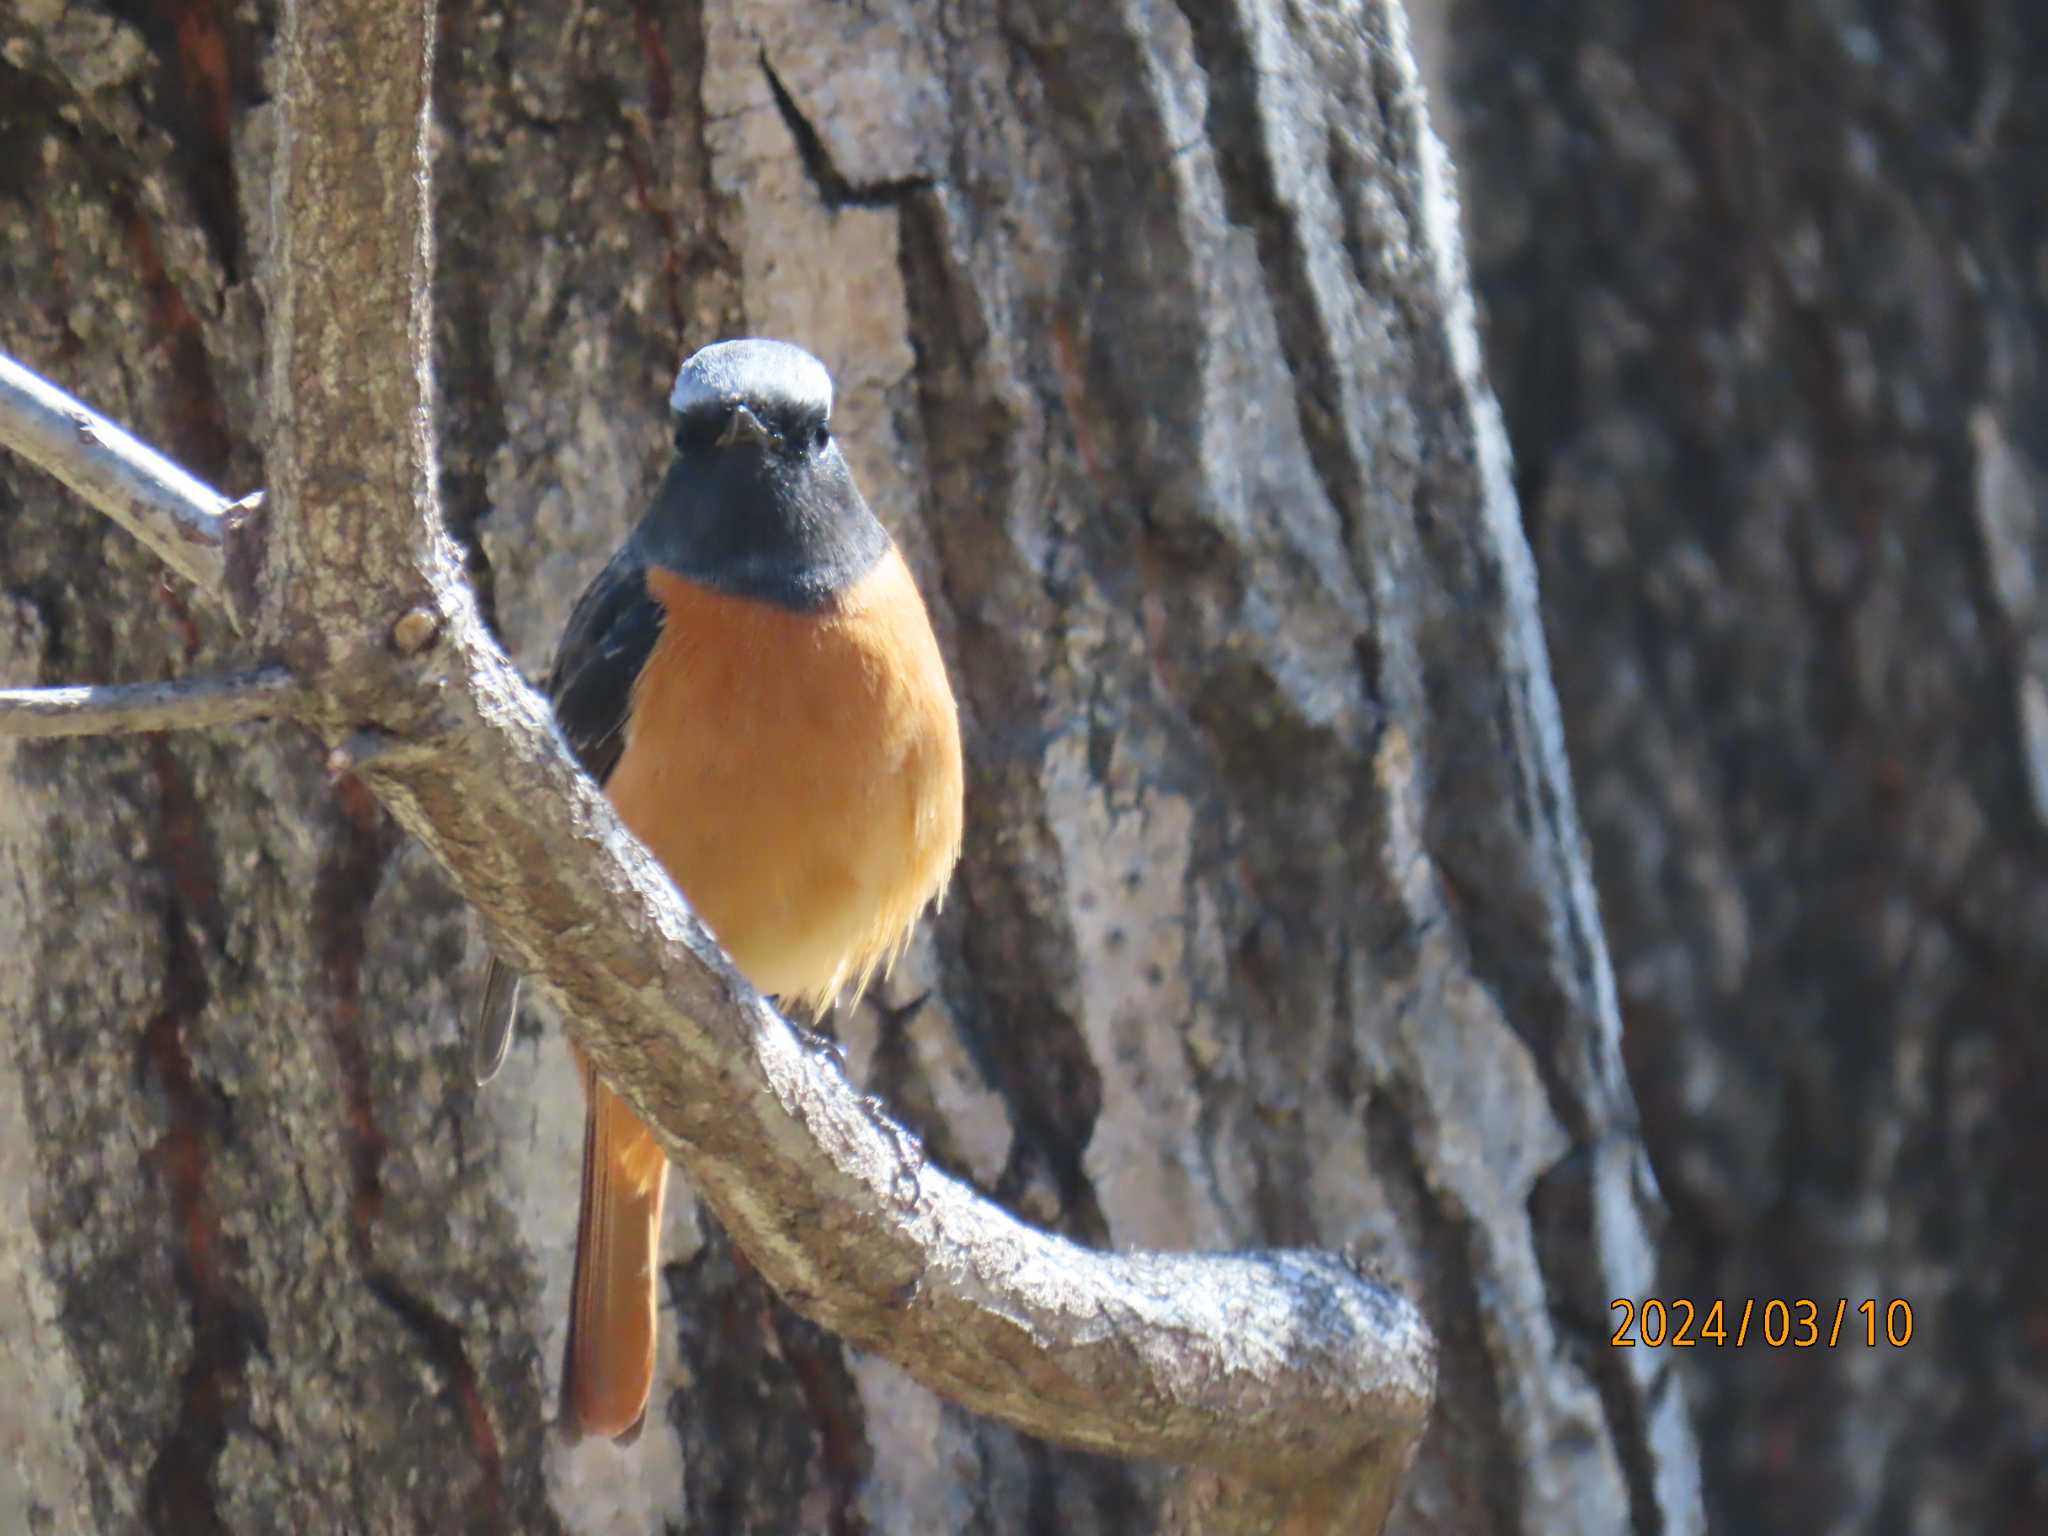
x: 822, y: 436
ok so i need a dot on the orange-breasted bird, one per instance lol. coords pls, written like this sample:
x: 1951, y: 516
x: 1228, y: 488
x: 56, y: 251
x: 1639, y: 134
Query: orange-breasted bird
x: 754, y: 681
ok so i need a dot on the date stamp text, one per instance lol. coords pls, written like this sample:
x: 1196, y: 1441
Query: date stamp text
x: 1776, y: 1323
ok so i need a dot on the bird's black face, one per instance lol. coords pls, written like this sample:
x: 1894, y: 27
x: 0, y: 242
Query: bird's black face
x: 758, y: 501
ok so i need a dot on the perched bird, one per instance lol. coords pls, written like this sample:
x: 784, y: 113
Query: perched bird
x: 754, y: 681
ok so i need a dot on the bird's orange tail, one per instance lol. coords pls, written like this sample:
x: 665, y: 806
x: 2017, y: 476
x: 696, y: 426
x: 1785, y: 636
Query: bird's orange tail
x: 609, y: 1369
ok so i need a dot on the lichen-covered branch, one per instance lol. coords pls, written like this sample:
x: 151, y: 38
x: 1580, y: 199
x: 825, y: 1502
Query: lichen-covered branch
x: 120, y: 709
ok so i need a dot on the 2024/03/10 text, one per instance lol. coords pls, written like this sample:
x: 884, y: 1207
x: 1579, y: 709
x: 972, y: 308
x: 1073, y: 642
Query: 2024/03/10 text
x: 1777, y: 1323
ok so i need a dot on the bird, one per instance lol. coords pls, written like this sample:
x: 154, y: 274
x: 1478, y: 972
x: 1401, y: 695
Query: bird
x: 754, y: 681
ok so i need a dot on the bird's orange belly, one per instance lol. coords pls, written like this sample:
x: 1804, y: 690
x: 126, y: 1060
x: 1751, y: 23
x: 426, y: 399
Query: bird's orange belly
x: 798, y: 775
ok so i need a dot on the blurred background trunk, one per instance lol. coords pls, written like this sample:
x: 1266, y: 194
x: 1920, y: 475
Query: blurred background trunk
x: 1766, y: 300
x: 1275, y: 924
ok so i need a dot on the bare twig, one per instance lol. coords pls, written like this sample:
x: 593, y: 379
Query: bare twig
x: 121, y: 709
x: 186, y: 523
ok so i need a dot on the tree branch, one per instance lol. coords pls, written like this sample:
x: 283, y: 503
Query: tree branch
x: 121, y: 709
x: 1266, y: 1365
x: 186, y: 523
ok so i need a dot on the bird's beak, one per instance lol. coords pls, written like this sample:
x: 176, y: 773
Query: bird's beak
x: 743, y: 426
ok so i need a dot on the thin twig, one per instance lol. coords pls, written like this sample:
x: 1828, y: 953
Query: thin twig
x: 186, y: 523
x: 121, y: 709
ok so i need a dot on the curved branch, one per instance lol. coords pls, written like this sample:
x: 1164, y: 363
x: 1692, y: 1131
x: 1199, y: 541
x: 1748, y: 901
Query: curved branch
x: 186, y: 523
x: 120, y: 709
x: 1278, y: 1365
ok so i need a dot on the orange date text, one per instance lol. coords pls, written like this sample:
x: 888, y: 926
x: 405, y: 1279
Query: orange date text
x: 1776, y: 1323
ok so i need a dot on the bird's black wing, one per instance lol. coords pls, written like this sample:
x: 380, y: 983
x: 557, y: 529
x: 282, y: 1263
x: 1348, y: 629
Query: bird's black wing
x: 609, y: 637
x: 607, y: 642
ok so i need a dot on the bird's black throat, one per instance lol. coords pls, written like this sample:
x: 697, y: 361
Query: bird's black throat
x: 783, y: 524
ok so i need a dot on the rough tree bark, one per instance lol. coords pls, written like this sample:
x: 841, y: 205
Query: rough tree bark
x: 1767, y: 288
x: 1274, y: 926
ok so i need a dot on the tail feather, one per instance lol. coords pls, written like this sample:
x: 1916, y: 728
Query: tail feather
x: 608, y: 1371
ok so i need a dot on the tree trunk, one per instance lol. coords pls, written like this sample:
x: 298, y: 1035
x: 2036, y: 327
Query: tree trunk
x: 1767, y: 287
x: 1274, y: 925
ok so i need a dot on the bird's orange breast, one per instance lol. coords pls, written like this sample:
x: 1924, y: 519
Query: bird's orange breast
x: 798, y: 774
